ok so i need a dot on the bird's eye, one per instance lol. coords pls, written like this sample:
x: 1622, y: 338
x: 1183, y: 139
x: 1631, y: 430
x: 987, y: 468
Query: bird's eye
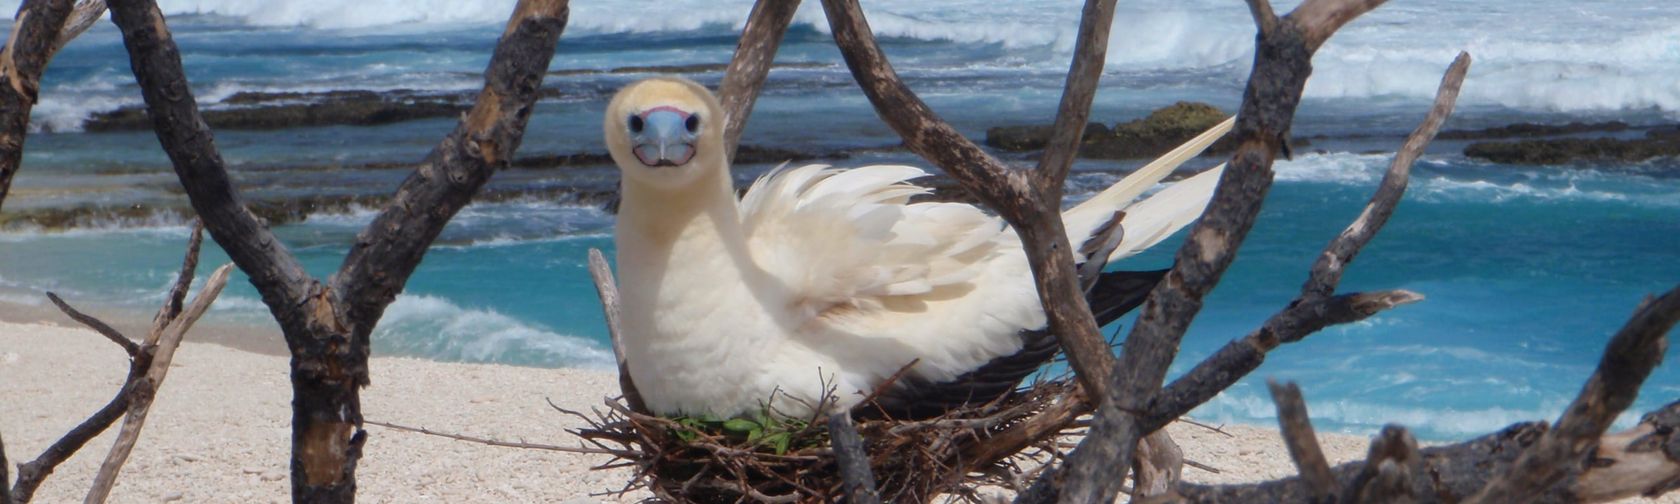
x: 693, y: 123
x: 636, y: 123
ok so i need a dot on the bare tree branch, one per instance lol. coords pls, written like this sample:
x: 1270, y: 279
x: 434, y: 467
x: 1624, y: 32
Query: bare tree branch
x: 97, y: 325
x: 1516, y: 464
x: 162, y: 348
x: 1327, y: 272
x: 183, y: 282
x: 1283, y: 60
x: 1298, y: 436
x: 327, y: 328
x: 756, y: 51
x: 1077, y: 95
x: 1242, y: 356
x: 135, y: 386
x: 853, y: 460
x: 191, y: 147
x: 1029, y: 204
x: 22, y: 62
x: 388, y: 250
x: 607, y: 290
x: 85, y: 14
x: 1316, y: 309
x: 1629, y: 358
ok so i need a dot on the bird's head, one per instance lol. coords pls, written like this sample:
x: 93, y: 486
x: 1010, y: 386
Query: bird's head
x: 665, y: 131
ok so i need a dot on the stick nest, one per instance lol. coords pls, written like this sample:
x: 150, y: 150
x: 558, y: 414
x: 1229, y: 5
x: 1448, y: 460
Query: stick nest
x: 773, y: 459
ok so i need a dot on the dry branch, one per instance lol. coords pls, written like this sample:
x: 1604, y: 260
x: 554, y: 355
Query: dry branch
x: 747, y: 70
x: 161, y: 345
x: 607, y: 290
x: 148, y: 362
x: 97, y: 325
x: 22, y: 61
x: 1316, y: 308
x: 1282, y: 62
x: 327, y: 326
x: 1629, y: 358
x: 1501, y: 467
x: 1302, y: 442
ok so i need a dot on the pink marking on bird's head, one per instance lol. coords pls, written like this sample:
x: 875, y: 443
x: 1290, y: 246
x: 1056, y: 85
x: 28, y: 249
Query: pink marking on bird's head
x: 667, y: 108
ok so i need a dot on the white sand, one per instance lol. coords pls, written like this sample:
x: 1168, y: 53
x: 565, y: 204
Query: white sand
x: 219, y: 431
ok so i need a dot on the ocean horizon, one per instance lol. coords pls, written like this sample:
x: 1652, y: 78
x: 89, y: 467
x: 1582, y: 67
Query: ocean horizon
x: 1527, y: 269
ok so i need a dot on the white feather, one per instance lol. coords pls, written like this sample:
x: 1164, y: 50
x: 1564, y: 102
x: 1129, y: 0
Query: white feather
x: 822, y: 278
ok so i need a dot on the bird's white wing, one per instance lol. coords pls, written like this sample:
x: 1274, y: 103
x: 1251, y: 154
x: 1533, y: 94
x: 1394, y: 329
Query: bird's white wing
x: 840, y: 240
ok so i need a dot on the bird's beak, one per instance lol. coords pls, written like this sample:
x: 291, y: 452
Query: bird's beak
x: 664, y: 139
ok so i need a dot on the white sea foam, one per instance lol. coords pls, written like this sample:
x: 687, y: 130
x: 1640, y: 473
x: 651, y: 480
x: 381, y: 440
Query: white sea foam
x: 1361, y: 417
x: 433, y: 327
x: 1596, y: 57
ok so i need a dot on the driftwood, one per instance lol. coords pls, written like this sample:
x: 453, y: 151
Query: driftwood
x: 148, y: 364
x: 327, y: 324
x: 1567, y: 462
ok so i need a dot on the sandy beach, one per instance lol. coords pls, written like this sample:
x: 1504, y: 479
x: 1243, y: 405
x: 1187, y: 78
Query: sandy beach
x: 219, y: 429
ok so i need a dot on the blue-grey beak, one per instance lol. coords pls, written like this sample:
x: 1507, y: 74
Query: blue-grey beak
x: 663, y: 136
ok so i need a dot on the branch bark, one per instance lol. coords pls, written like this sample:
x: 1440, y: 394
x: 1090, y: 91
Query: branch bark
x: 161, y: 345
x: 754, y: 55
x: 22, y: 61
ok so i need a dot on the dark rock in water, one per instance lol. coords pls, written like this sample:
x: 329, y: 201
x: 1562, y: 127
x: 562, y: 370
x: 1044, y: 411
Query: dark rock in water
x: 746, y: 154
x: 260, y: 111
x: 1658, y: 142
x: 1158, y: 133
x: 1527, y: 130
x: 1030, y: 138
x: 1151, y: 136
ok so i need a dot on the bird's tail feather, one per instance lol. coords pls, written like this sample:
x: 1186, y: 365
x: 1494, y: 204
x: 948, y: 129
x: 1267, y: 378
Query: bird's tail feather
x: 1150, y: 221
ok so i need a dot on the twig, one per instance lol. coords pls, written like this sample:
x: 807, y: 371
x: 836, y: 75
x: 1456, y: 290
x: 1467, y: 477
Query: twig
x: 1327, y: 271
x: 607, y: 290
x: 754, y: 55
x: 853, y: 460
x: 97, y: 325
x: 1303, y: 446
x: 504, y: 444
x: 1628, y: 359
x: 183, y: 282
x: 1215, y: 428
x: 145, y: 389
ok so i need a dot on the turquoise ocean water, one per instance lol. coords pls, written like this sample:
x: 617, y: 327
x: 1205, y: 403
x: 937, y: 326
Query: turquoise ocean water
x: 1527, y: 270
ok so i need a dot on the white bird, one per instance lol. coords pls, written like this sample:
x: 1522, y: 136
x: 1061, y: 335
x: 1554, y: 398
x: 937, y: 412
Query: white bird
x: 821, y: 279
